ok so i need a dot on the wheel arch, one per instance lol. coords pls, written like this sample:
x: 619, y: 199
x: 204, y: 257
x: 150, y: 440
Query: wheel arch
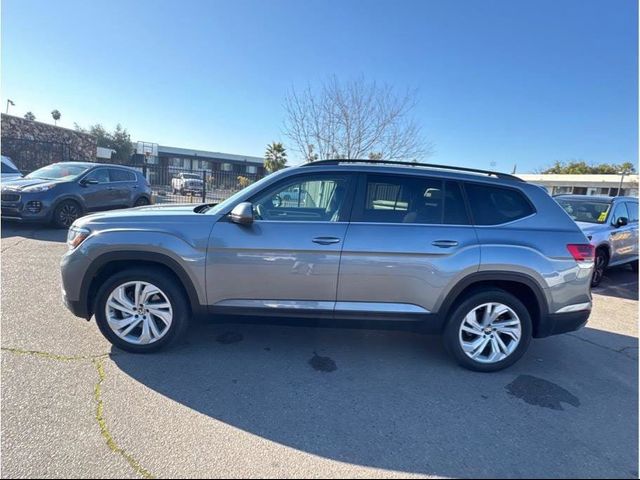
x: 112, y: 262
x: 523, y: 287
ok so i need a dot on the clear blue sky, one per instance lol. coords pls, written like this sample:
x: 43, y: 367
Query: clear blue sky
x: 526, y: 81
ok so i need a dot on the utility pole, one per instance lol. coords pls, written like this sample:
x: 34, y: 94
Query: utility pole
x: 623, y: 173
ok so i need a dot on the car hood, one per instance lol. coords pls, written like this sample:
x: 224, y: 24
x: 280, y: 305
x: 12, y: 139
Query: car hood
x: 143, y: 216
x: 20, y: 183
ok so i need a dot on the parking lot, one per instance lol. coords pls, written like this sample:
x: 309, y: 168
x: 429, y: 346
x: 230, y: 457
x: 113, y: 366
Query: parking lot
x: 265, y: 401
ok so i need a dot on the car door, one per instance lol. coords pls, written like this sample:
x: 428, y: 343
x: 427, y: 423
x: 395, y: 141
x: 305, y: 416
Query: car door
x: 98, y: 195
x: 287, y: 260
x: 123, y: 185
x: 409, y: 238
x: 632, y: 209
x: 621, y: 238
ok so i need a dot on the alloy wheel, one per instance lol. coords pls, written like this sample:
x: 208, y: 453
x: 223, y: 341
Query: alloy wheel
x: 139, y: 312
x: 67, y: 214
x: 490, y: 333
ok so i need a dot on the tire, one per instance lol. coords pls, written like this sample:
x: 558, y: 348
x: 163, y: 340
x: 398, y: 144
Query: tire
x: 454, y: 336
x: 601, y: 262
x: 65, y: 213
x: 141, y: 202
x: 182, y: 192
x: 170, y: 293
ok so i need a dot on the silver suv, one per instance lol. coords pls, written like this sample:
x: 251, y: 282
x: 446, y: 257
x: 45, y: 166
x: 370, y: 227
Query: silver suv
x: 483, y: 258
x: 610, y: 224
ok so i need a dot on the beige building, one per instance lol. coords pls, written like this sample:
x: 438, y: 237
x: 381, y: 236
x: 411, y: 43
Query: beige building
x: 586, y: 184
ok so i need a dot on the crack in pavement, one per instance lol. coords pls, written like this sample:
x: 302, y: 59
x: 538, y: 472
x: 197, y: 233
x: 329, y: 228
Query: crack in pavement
x: 621, y: 351
x: 14, y: 244
x: 98, y: 363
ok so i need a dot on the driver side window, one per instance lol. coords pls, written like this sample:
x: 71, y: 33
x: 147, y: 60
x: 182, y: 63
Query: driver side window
x: 101, y: 175
x: 305, y: 198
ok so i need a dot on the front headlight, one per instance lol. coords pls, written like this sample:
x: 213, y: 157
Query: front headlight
x: 39, y: 188
x: 76, y: 236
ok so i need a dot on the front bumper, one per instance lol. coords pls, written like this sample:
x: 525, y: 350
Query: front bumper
x: 27, y: 207
x: 558, y: 323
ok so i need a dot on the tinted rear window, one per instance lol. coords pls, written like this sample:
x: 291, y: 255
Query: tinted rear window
x: 632, y: 207
x: 119, y: 175
x: 495, y: 205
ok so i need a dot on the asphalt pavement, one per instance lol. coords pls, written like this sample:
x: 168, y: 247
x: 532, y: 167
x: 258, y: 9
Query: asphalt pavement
x: 273, y: 401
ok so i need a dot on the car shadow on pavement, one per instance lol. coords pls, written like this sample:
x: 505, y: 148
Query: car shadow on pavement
x: 620, y: 282
x: 396, y: 401
x: 10, y: 230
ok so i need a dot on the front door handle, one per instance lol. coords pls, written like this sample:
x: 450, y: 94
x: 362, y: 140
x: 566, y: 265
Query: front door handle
x: 326, y: 240
x: 444, y: 243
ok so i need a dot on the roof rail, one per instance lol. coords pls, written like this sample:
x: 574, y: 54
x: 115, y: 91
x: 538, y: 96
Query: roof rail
x: 415, y: 164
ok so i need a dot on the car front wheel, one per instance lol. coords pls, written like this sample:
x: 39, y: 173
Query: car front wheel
x: 488, y: 331
x: 65, y: 213
x: 141, y: 311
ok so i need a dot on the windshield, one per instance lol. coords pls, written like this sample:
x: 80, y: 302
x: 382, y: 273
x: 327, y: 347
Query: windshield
x: 222, y: 206
x: 59, y: 171
x: 585, y: 210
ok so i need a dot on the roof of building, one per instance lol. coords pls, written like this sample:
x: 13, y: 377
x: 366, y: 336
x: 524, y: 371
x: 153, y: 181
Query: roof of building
x: 188, y: 152
x: 579, y: 178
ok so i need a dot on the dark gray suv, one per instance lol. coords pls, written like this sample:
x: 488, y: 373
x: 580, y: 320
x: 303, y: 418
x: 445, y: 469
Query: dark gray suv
x: 485, y: 259
x: 62, y: 192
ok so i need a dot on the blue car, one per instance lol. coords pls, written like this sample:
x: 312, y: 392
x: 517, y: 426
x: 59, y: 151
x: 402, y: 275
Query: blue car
x: 62, y: 192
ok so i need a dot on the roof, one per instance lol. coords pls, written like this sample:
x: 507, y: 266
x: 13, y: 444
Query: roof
x: 188, y: 152
x: 440, y: 171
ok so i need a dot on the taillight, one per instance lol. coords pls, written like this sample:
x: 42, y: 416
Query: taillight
x: 581, y: 252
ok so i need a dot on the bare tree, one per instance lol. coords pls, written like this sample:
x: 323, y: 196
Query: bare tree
x: 354, y: 120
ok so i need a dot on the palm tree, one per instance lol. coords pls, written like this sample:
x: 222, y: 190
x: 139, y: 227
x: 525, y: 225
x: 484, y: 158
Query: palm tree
x: 275, y: 158
x: 56, y: 116
x: 29, y: 116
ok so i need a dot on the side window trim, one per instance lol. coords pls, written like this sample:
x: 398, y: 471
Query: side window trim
x: 91, y: 172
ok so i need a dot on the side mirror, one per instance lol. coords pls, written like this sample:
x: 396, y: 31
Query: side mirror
x: 622, y: 221
x: 242, y: 214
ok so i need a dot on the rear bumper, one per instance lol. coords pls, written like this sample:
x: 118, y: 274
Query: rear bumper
x: 558, y: 323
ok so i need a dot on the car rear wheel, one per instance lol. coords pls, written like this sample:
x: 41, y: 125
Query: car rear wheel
x: 141, y: 311
x: 488, y: 331
x: 601, y: 261
x: 65, y: 213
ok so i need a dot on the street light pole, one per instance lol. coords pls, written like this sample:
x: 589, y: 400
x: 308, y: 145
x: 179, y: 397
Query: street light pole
x: 9, y: 102
x: 623, y: 173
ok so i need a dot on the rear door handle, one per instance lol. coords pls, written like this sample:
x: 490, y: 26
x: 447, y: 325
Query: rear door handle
x: 326, y: 240
x: 444, y: 243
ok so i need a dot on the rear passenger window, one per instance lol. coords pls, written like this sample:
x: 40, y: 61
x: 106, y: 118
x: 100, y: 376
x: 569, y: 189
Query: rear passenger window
x: 496, y: 205
x: 400, y: 199
x: 118, y: 175
x: 632, y: 208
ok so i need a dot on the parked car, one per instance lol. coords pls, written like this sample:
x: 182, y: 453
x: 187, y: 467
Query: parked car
x: 610, y: 224
x: 9, y: 170
x: 184, y: 183
x: 487, y: 260
x: 62, y: 192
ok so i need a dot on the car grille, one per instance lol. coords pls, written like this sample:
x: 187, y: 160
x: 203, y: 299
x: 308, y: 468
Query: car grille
x: 10, y: 197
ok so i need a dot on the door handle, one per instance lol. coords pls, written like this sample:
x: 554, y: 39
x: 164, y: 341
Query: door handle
x: 444, y: 243
x: 326, y: 240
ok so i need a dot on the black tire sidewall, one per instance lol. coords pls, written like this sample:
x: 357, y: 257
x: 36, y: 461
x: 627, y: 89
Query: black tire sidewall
x: 145, y: 201
x: 604, y: 267
x: 475, y: 299
x: 55, y: 220
x: 163, y: 281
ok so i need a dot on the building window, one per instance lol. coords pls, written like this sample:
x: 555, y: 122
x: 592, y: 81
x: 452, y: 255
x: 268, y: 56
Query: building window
x: 252, y: 169
x: 226, y: 167
x: 579, y: 190
x: 562, y: 190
